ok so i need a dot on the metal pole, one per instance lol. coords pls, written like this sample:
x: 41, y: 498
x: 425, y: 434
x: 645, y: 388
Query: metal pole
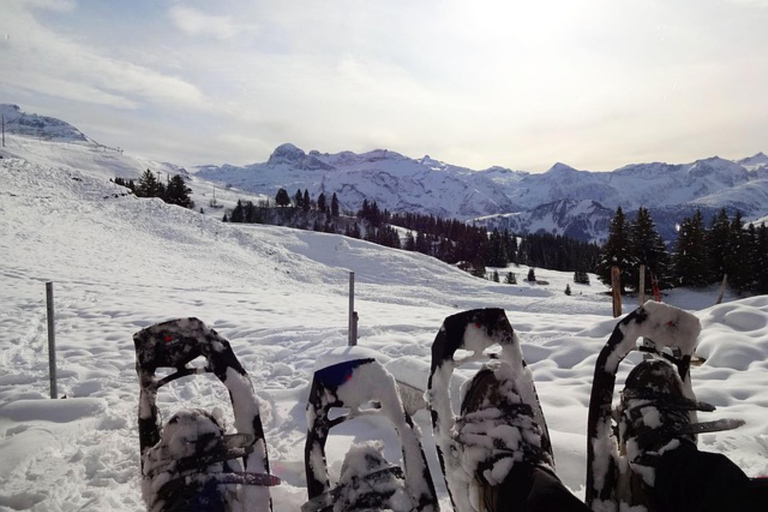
x: 352, y: 336
x: 641, y: 287
x: 51, y: 339
x: 3, y: 116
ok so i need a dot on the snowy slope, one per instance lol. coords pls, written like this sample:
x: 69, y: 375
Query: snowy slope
x: 279, y: 295
x: 40, y: 127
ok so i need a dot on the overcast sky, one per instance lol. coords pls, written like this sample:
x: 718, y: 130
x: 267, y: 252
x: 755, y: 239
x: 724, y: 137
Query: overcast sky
x: 596, y: 84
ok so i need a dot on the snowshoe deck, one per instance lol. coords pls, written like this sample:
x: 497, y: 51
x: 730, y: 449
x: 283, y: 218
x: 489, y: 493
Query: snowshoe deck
x: 368, y: 482
x: 670, y: 334
x: 471, y: 459
x: 174, y: 345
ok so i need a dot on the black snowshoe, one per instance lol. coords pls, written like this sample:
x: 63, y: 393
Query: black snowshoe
x: 501, y: 422
x: 190, y: 463
x: 367, y: 481
x: 657, y: 410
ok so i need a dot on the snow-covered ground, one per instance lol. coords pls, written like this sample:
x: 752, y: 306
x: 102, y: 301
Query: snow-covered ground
x: 280, y: 296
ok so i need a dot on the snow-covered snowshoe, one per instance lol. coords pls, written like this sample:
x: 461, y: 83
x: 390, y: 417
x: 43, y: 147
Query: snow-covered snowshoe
x: 657, y: 410
x: 190, y: 463
x: 367, y: 482
x: 501, y: 421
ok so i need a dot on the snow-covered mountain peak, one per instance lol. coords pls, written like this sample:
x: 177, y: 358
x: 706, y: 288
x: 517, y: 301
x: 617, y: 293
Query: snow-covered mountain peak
x: 22, y: 123
x: 286, y: 154
x: 560, y: 168
x: 289, y: 155
x: 725, y: 171
x: 753, y: 162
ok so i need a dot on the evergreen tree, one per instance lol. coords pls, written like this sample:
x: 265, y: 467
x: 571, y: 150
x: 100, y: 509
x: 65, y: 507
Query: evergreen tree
x: 298, y: 199
x: 321, y: 206
x: 568, y: 289
x: 496, y: 255
x: 225, y: 219
x: 647, y: 248
x: 334, y: 206
x: 616, y: 251
x: 511, y: 278
x: 760, y: 260
x: 410, y: 242
x: 690, y: 255
x: 580, y: 277
x: 510, y: 246
x: 177, y: 192
x: 148, y: 185
x: 495, y: 276
x: 718, y: 244
x: 739, y: 261
x: 237, y: 213
x: 282, y: 198
x: 531, y: 275
x: 306, y: 202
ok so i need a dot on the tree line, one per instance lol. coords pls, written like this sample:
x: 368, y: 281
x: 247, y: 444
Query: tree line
x: 699, y: 257
x: 173, y: 192
x: 449, y: 240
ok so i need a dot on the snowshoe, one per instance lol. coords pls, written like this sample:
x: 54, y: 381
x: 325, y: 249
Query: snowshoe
x: 190, y: 463
x: 361, y: 387
x: 657, y: 410
x: 501, y: 422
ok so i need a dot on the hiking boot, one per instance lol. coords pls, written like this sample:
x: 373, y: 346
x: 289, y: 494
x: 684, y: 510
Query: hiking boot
x: 497, y: 431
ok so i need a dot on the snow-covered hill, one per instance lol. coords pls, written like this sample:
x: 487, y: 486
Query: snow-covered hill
x: 39, y: 127
x: 280, y: 296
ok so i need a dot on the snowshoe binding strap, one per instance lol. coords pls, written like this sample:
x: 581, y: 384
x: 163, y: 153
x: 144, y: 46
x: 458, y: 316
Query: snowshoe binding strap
x: 364, y: 388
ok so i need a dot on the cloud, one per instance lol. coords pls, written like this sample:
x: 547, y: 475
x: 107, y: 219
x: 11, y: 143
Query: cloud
x: 195, y: 22
x: 757, y: 3
x: 50, y: 63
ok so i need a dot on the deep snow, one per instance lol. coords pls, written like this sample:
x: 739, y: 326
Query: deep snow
x: 280, y: 296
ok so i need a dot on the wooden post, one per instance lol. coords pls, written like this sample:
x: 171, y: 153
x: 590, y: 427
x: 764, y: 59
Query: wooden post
x: 352, y: 331
x: 641, y: 289
x: 616, y: 284
x: 722, y: 289
x: 51, y: 339
x: 3, y: 116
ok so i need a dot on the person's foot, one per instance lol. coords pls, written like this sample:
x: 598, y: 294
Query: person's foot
x: 654, y: 416
x: 497, y: 431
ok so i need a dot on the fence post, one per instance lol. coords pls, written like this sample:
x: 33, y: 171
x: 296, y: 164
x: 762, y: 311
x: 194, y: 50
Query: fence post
x: 616, y: 284
x: 641, y: 289
x: 352, y: 331
x: 51, y: 339
x: 722, y: 289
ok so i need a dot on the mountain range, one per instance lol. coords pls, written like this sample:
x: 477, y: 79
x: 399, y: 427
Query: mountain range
x: 562, y: 200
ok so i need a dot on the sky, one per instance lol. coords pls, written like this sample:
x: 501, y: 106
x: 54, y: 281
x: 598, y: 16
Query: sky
x: 596, y: 84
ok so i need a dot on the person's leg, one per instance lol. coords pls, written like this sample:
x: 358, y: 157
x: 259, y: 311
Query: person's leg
x: 689, y: 479
x: 530, y: 488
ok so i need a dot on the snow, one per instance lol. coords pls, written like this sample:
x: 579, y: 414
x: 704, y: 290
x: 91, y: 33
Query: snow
x: 120, y: 264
